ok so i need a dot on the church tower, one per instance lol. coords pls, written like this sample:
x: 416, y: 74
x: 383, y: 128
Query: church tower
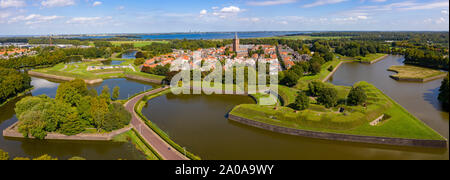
x: 236, y: 43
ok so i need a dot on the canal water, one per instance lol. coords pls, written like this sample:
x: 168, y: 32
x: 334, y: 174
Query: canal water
x: 199, y: 123
x: 67, y: 149
x: 129, y: 55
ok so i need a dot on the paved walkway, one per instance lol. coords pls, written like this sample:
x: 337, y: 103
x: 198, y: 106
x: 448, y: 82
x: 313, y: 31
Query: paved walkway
x: 153, y: 139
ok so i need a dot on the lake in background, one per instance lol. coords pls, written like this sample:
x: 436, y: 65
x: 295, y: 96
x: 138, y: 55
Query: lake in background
x: 211, y: 35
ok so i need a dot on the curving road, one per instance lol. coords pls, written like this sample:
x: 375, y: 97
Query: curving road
x: 158, y: 144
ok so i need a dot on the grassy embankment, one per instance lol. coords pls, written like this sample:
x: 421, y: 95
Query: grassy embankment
x: 79, y: 71
x: 370, y: 57
x: 141, y: 145
x: 415, y: 73
x: 398, y: 123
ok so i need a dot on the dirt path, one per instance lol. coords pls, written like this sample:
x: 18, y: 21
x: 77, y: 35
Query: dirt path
x: 153, y: 139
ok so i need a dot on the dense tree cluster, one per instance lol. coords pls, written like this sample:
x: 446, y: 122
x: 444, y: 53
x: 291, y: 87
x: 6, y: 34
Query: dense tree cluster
x: 356, y: 48
x: 57, y: 41
x: 158, y: 70
x: 444, y: 93
x: 12, y: 82
x: 415, y: 37
x: 426, y: 58
x: 52, y: 56
x: 326, y: 95
x: 74, y: 109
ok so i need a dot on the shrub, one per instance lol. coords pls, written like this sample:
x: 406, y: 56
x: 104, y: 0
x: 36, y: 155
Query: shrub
x: 4, y: 155
x: 357, y: 96
x: 328, y: 97
x: 301, y: 101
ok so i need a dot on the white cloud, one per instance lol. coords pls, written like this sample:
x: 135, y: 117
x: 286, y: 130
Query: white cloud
x: 270, y: 2
x: 422, y: 6
x: 57, y: 3
x: 97, y: 3
x: 33, y: 19
x: 230, y: 9
x: 322, y: 2
x: 83, y: 20
x: 12, y: 3
x: 444, y: 12
x: 203, y: 12
x: 362, y: 17
x: 120, y: 7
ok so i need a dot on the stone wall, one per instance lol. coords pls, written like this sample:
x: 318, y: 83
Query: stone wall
x: 343, y: 137
x: 12, y: 132
x: 139, y: 78
x: 63, y: 78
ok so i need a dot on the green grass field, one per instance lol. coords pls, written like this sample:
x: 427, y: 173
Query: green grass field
x: 409, y: 72
x: 356, y: 119
x: 370, y: 57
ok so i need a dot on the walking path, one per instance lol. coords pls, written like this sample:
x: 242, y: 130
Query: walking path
x: 158, y: 144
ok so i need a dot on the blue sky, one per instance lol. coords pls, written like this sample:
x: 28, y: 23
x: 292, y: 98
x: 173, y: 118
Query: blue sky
x: 41, y: 17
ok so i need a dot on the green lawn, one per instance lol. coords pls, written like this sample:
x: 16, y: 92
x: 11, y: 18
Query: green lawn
x: 356, y: 119
x: 414, y: 72
x: 370, y: 57
x: 303, y: 82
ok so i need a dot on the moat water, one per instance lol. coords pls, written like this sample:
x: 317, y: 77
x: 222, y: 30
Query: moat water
x: 199, y: 123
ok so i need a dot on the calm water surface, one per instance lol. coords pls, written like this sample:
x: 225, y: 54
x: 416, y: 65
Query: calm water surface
x: 199, y: 123
x: 67, y: 149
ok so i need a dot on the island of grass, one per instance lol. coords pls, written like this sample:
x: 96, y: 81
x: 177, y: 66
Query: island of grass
x: 415, y: 73
x: 372, y: 58
x: 69, y: 72
x: 397, y: 126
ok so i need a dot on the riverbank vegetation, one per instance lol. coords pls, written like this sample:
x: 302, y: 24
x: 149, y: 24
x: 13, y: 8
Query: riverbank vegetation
x: 444, y: 94
x: 12, y: 83
x: 133, y: 137
x: 74, y: 110
x: 354, y: 119
x: 415, y: 73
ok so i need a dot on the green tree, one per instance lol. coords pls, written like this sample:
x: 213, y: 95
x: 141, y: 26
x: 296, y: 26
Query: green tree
x: 4, y: 155
x: 99, y: 108
x: 444, y: 93
x: 71, y: 125
x: 290, y: 79
x: 116, y: 92
x: 116, y: 118
x: 301, y: 101
x: 357, y: 96
x: 106, y: 94
x: 139, y: 61
x: 328, y: 97
x: 316, y: 68
x: 315, y: 88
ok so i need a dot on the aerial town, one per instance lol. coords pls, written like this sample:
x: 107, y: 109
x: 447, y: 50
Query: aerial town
x: 247, y: 55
